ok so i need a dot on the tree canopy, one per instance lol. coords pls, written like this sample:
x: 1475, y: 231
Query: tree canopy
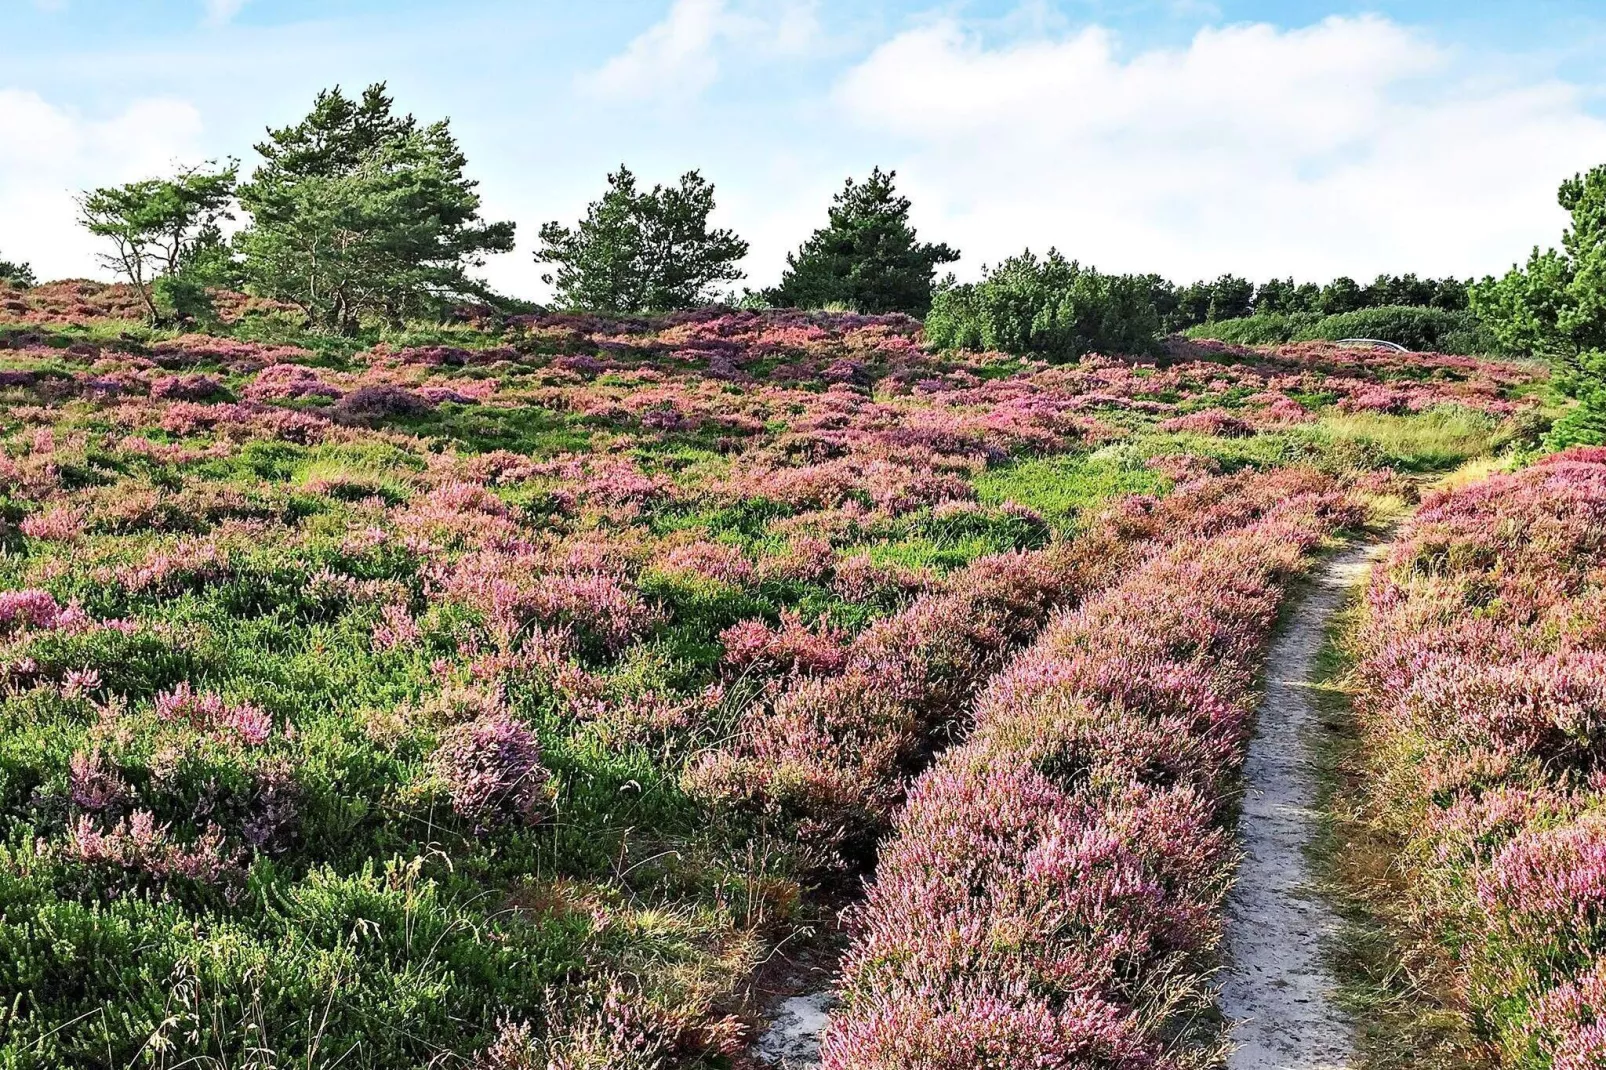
x: 642, y: 251
x: 1051, y: 306
x: 157, y: 225
x: 17, y: 273
x: 1555, y: 307
x: 360, y: 213
x: 867, y: 256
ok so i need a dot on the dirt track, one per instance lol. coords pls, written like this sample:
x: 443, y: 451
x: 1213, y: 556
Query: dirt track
x: 1277, y: 989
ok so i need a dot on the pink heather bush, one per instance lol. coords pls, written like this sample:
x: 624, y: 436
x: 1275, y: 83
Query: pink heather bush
x: 921, y: 1030
x: 514, y: 590
x: 1548, y: 883
x: 1570, y: 1022
x: 286, y: 381
x: 96, y: 785
x: 1066, y: 859
x: 459, y: 513
x: 708, y: 560
x: 1185, y: 468
x: 38, y: 610
x: 1275, y: 409
x: 59, y: 524
x: 396, y: 628
x: 1216, y: 422
x: 187, y: 388
x: 368, y: 405
x: 190, y: 349
x: 139, y: 846
x: 492, y: 769
x: 790, y: 646
x: 169, y: 568
x: 212, y: 717
x: 1483, y: 671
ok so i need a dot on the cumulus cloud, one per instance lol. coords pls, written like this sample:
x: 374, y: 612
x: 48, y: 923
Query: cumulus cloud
x: 1351, y: 146
x: 681, y: 56
x: 49, y: 153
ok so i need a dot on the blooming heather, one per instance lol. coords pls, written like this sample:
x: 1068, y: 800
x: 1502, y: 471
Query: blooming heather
x: 492, y: 769
x: 595, y: 645
x: 1058, y: 874
x: 1483, y: 671
x: 211, y: 716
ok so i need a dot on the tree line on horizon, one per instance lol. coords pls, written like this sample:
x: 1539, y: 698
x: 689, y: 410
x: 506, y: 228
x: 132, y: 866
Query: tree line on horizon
x: 358, y: 215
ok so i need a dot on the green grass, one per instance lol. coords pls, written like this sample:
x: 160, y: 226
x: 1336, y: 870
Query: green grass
x: 1439, y: 439
x: 535, y: 432
x: 1395, y: 983
x: 1063, y: 488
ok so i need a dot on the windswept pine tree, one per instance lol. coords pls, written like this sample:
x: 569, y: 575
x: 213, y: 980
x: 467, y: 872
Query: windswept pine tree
x: 358, y: 213
x: 158, y: 228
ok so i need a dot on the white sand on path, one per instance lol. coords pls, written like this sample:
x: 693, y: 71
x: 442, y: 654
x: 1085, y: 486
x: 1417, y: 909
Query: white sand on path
x: 1277, y: 989
x: 793, y: 1039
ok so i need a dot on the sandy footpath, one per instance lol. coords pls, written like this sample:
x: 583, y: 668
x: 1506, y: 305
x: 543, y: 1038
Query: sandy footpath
x: 1277, y: 989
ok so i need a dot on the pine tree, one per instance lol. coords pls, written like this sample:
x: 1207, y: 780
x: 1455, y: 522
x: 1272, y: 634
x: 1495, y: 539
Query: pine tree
x: 1555, y: 307
x: 359, y: 213
x: 157, y: 225
x: 641, y: 251
x: 17, y: 274
x: 867, y: 257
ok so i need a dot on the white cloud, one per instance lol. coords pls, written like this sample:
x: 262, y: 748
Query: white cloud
x: 222, y: 12
x: 48, y: 154
x: 1350, y: 146
x: 680, y: 57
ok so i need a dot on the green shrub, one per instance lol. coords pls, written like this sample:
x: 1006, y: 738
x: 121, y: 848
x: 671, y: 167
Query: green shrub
x: 1425, y: 329
x: 1052, y: 308
x: 1268, y: 328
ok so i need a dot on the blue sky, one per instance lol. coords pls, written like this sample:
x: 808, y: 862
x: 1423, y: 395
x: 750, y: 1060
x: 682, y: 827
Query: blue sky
x: 1184, y: 137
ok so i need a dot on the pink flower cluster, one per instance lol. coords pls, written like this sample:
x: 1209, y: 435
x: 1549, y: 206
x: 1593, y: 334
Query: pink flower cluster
x: 168, y: 567
x: 60, y: 523
x: 212, y: 717
x: 1484, y: 660
x: 187, y: 388
x: 1571, y: 1022
x: 1050, y: 882
x: 492, y: 769
x: 517, y: 588
x: 138, y: 845
x: 790, y: 646
x: 1217, y: 422
x: 96, y: 785
x: 38, y: 610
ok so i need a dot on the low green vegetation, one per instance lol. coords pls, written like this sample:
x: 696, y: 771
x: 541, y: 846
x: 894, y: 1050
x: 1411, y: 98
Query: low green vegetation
x: 1399, y: 989
x: 1433, y: 330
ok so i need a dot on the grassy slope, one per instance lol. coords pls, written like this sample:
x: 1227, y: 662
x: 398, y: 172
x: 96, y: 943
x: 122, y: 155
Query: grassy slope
x: 386, y: 907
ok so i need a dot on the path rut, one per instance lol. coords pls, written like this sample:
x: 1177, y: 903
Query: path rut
x: 1277, y: 990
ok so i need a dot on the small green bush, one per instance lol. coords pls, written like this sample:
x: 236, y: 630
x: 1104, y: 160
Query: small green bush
x: 1052, y: 308
x: 1435, y: 330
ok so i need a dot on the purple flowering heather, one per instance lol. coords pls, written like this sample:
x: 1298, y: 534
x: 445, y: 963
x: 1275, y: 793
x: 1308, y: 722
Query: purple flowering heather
x: 1483, y: 676
x: 492, y: 770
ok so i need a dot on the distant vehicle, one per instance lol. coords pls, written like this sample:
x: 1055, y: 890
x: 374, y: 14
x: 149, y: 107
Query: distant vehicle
x: 1375, y: 343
